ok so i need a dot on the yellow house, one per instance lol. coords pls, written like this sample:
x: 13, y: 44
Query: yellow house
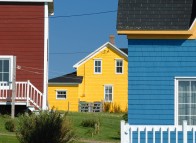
x: 63, y: 92
x: 103, y: 77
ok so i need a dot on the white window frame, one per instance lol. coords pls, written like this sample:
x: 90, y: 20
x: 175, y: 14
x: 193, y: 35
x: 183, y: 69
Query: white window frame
x: 116, y: 66
x: 177, y: 79
x: 106, y: 85
x: 4, y: 85
x: 100, y: 66
x: 61, y: 90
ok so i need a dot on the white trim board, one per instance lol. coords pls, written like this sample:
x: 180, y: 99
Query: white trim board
x: 26, y: 0
x: 106, y: 45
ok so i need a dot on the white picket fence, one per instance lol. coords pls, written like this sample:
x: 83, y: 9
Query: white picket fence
x: 25, y: 91
x: 128, y: 130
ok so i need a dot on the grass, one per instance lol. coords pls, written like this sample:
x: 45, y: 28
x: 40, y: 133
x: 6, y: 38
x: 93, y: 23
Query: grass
x: 109, y: 127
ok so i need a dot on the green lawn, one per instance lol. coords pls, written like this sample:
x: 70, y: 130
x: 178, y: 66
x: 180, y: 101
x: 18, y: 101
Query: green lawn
x: 109, y: 128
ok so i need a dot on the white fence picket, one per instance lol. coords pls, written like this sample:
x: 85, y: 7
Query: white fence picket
x: 127, y: 132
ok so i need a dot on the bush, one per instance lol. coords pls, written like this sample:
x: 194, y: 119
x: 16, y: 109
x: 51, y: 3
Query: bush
x: 10, y: 125
x: 91, y: 122
x: 106, y: 106
x: 47, y: 127
x: 125, y: 117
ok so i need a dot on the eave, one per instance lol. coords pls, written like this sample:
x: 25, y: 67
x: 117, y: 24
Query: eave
x: 61, y: 83
x: 158, y: 34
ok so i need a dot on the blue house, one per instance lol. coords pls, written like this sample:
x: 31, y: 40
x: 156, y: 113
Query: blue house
x: 162, y: 70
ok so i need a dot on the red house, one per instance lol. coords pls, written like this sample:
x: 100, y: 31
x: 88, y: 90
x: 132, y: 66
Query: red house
x: 24, y: 35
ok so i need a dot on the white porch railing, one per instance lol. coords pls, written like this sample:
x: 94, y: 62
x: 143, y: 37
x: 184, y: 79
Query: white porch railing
x: 25, y: 92
x: 127, y: 133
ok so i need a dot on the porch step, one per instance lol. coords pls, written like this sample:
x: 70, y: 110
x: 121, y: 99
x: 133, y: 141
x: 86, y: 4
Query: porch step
x: 31, y: 108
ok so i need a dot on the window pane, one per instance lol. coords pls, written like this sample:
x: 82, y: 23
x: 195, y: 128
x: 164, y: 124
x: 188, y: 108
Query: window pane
x: 110, y: 97
x: 99, y: 63
x: 193, y: 98
x: 193, y: 86
x: 96, y: 63
x: 119, y: 69
x: 6, y: 77
x: 193, y: 120
x: 1, y: 66
x: 193, y: 109
x: 183, y: 98
x: 184, y: 86
x: 61, y: 94
x: 6, y: 66
x: 183, y: 109
x: 181, y: 118
x: 1, y: 79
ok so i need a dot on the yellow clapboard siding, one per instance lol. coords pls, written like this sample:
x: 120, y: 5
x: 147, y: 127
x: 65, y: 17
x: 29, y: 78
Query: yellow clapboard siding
x: 71, y: 101
x: 92, y: 87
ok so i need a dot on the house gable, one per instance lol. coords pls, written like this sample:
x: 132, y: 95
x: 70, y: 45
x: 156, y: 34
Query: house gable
x: 106, y: 45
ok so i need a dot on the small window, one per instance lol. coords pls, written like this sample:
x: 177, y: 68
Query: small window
x: 61, y: 94
x: 108, y: 93
x: 97, y: 66
x: 5, y: 71
x: 186, y: 101
x: 119, y: 66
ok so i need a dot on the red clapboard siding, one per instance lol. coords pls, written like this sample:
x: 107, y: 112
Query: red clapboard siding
x: 22, y: 35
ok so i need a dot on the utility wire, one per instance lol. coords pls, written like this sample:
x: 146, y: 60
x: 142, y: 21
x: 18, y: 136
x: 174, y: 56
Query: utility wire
x: 68, y: 53
x: 61, y: 16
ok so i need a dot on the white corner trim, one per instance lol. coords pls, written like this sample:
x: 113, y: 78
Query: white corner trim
x: 106, y: 45
x: 46, y: 35
x: 175, y: 102
x: 26, y: 0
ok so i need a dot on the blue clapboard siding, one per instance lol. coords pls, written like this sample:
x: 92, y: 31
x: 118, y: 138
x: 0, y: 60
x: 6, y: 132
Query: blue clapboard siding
x: 153, y: 66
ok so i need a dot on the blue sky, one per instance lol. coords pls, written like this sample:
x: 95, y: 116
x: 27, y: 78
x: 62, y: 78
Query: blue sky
x: 74, y: 37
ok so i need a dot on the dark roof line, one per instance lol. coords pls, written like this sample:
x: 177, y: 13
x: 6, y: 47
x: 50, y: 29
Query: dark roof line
x: 70, y: 78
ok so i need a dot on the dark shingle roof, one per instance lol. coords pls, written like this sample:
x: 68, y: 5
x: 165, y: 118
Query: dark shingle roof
x: 155, y: 14
x: 70, y: 78
x: 125, y: 50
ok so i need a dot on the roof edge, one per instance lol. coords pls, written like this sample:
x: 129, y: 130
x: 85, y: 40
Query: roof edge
x: 154, y: 32
x: 64, y: 83
x: 97, y: 51
x: 26, y: 0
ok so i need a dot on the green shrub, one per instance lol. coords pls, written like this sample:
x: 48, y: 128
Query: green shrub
x: 125, y: 117
x: 91, y: 122
x: 10, y: 125
x: 107, y: 106
x: 116, y: 108
x: 47, y: 127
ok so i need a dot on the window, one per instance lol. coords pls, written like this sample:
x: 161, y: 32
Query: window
x: 97, y: 66
x: 5, y: 70
x: 186, y: 101
x: 119, y: 66
x: 108, y: 93
x: 61, y: 94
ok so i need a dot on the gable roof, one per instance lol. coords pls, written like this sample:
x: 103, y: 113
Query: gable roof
x: 156, y: 14
x: 108, y: 44
x: 125, y: 50
x: 70, y: 78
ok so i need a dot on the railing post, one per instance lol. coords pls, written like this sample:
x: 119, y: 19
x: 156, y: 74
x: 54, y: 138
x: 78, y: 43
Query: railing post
x: 28, y: 92
x: 184, y: 129
x: 124, y: 132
